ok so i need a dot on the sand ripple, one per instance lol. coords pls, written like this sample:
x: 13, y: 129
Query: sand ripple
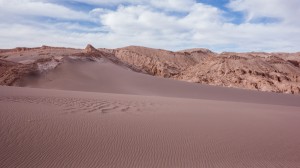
x: 76, y: 129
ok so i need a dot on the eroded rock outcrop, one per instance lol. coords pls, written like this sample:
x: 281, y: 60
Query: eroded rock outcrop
x: 264, y: 74
x: 11, y: 72
x: 160, y: 62
x: 275, y: 72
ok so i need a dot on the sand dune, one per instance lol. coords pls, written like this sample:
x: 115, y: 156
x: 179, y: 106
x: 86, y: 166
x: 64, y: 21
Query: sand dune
x: 52, y: 128
x: 104, y: 76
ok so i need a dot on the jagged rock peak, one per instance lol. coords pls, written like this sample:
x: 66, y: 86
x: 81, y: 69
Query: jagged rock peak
x: 90, y: 48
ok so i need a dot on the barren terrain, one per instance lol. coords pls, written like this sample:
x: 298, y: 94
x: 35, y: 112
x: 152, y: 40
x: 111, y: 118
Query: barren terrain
x: 132, y: 107
x: 273, y: 72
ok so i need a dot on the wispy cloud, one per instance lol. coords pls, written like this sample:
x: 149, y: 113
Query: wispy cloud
x: 270, y: 25
x: 287, y: 11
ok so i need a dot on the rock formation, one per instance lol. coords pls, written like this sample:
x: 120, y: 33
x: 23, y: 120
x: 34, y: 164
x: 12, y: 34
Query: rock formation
x: 276, y: 72
x: 90, y: 49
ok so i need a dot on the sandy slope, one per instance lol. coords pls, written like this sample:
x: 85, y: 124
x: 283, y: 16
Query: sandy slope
x: 107, y: 77
x: 52, y: 128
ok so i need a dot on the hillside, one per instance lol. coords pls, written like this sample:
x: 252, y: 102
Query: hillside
x: 273, y: 72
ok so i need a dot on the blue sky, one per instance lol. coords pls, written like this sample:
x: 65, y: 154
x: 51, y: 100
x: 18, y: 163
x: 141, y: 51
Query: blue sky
x: 220, y: 25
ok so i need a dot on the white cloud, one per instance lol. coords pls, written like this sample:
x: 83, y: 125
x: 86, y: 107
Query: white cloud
x: 173, y: 5
x: 38, y: 8
x: 168, y: 5
x: 138, y: 19
x: 288, y: 11
x: 31, y: 36
x: 153, y: 23
x: 110, y: 2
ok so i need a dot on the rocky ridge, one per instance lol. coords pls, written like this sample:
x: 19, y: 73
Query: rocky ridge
x: 275, y: 72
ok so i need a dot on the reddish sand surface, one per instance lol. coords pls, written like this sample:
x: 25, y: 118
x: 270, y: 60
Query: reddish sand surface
x: 107, y: 77
x: 102, y: 115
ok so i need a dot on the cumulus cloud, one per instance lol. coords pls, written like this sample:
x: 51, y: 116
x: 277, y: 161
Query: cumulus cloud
x: 288, y: 11
x: 173, y: 5
x: 168, y: 24
x: 111, y: 2
x: 178, y: 5
x: 38, y: 8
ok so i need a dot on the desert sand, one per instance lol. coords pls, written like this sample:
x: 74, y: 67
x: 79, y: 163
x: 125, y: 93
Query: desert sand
x: 107, y: 77
x: 99, y: 114
x: 51, y: 128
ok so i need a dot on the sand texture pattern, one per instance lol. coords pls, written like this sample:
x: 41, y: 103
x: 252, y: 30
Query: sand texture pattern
x: 53, y: 128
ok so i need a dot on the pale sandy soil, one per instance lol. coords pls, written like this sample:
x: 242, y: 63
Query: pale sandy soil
x: 119, y: 118
x: 50, y: 128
